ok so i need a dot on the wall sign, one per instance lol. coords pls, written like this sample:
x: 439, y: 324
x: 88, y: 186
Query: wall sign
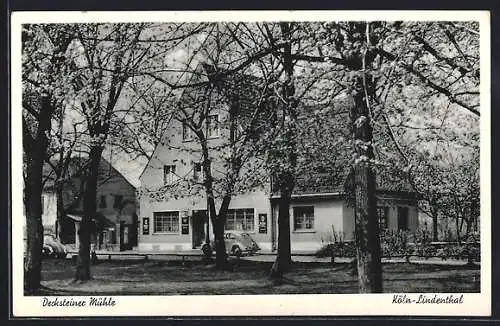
x: 262, y: 223
x: 145, y: 225
x: 185, y: 225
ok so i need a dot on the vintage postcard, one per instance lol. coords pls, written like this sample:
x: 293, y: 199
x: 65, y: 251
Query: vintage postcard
x: 251, y: 163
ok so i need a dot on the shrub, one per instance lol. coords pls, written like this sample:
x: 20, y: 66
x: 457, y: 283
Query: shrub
x: 393, y: 243
x: 398, y: 243
x: 345, y: 249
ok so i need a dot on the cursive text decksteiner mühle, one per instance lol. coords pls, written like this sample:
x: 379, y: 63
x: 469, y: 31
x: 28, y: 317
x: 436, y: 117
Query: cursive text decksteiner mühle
x: 102, y: 301
x: 71, y: 302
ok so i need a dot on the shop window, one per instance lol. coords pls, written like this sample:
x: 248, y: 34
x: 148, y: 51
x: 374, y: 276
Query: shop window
x: 240, y: 220
x: 166, y: 222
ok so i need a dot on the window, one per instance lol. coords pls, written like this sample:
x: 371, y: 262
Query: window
x: 168, y: 174
x: 240, y: 219
x: 383, y: 215
x: 213, y: 126
x: 166, y: 222
x: 67, y: 196
x: 102, y: 202
x: 303, y: 218
x: 402, y: 218
x: 236, y: 129
x: 196, y: 171
x: 118, y: 201
x: 187, y: 133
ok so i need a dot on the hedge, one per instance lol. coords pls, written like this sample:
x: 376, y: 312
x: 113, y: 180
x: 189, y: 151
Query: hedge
x: 404, y: 244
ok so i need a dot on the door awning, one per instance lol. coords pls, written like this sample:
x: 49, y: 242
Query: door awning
x: 76, y: 218
x: 99, y: 219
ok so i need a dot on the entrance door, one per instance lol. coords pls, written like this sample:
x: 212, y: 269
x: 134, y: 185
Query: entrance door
x: 134, y: 230
x: 198, y: 220
x: 124, y: 237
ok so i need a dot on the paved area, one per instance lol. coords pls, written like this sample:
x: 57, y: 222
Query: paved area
x: 303, y: 257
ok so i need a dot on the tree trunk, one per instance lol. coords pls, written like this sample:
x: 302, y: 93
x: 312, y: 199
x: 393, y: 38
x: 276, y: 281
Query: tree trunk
x: 218, y: 221
x: 365, y: 201
x: 469, y: 245
x: 283, y: 261
x: 468, y: 227
x: 435, y: 228
x: 435, y: 213
x: 60, y: 213
x: 367, y: 232
x: 457, y: 223
x: 220, y: 245
x: 35, y: 149
x: 89, y: 211
x: 286, y: 176
x: 34, y: 233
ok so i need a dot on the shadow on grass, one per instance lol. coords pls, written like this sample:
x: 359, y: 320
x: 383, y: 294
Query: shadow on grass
x: 248, y: 277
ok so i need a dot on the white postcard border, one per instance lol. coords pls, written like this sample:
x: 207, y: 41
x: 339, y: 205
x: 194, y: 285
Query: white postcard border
x: 475, y: 304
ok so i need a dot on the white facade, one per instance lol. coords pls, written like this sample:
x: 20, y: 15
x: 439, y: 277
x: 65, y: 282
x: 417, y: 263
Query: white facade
x: 164, y: 208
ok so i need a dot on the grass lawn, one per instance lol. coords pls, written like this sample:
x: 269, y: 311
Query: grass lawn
x: 249, y: 277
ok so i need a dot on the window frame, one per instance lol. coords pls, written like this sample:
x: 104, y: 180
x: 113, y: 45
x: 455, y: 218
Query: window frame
x: 209, y: 136
x: 385, y: 217
x: 117, y: 203
x: 197, y: 174
x: 167, y: 214
x: 303, y: 210
x: 233, y: 213
x: 103, y: 201
x: 171, y: 172
x: 187, y: 133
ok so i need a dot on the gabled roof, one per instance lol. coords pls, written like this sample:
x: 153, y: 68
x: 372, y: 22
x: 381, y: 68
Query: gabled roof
x: 99, y: 219
x: 336, y: 182
x: 77, y: 167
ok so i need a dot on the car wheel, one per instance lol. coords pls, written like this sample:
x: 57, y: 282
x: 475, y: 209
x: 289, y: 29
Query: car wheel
x: 207, y: 250
x: 236, y: 251
x: 45, y: 253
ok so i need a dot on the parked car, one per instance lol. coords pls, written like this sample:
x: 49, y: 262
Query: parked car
x: 237, y: 244
x: 52, y: 247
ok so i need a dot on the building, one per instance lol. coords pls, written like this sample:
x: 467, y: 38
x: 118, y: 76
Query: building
x: 316, y: 213
x: 115, y: 224
x: 173, y: 213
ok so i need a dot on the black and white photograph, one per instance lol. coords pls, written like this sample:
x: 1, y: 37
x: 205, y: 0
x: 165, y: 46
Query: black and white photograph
x: 203, y: 163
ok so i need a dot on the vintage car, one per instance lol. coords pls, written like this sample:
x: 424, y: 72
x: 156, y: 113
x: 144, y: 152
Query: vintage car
x: 237, y: 244
x: 52, y: 247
